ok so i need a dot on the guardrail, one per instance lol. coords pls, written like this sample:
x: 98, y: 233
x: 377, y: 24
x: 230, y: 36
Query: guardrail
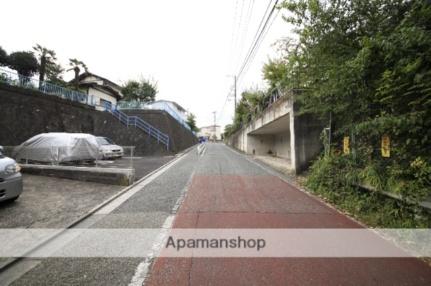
x: 139, y: 123
x: 15, y: 79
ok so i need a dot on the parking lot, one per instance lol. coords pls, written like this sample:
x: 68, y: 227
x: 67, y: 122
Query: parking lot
x: 49, y: 202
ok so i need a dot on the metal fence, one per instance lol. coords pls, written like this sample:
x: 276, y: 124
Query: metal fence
x: 160, y: 106
x: 15, y: 79
x: 138, y: 123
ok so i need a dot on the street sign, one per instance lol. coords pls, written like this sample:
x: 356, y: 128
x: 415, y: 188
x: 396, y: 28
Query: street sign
x: 346, y: 145
x: 386, y: 146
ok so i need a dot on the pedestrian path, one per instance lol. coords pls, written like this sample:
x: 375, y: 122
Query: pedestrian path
x: 229, y: 191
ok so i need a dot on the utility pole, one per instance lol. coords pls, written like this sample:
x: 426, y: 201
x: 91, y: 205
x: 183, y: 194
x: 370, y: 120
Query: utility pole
x: 235, y: 78
x: 214, y: 112
x: 215, y: 127
x: 234, y: 92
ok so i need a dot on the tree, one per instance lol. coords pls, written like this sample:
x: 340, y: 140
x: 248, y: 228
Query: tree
x: 333, y: 54
x: 366, y: 65
x: 275, y: 73
x: 25, y: 63
x: 3, y: 57
x: 251, y: 103
x: 141, y: 91
x: 46, y: 59
x: 76, y: 66
x: 228, y: 130
x: 191, y: 121
x: 55, y: 74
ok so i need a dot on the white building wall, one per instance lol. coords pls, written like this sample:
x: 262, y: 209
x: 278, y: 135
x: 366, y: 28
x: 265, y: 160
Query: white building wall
x: 160, y: 105
x: 208, y: 131
x: 95, y: 95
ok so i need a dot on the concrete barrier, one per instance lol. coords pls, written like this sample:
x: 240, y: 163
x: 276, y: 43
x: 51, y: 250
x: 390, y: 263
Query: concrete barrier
x: 111, y: 176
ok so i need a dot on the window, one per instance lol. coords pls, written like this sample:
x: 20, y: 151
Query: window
x: 105, y: 103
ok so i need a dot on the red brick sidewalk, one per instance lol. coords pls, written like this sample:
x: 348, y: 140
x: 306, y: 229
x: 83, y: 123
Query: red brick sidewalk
x: 227, y: 201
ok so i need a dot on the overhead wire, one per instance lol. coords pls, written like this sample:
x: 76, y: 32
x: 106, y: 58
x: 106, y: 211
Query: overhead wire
x: 259, y: 43
x: 238, y: 38
x: 244, y: 29
x: 265, y: 24
x: 266, y: 20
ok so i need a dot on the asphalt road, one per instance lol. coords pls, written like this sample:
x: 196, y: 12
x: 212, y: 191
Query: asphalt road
x: 224, y: 189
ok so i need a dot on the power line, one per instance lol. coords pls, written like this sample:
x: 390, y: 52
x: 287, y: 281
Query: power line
x: 236, y: 28
x: 259, y: 43
x: 259, y: 35
x: 244, y: 30
x: 259, y: 28
x: 240, y: 22
x: 264, y: 25
x: 220, y: 116
x: 233, y: 39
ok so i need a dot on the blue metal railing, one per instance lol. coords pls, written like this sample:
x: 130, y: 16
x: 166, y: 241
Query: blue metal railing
x: 139, y: 123
x: 15, y: 79
x: 160, y: 106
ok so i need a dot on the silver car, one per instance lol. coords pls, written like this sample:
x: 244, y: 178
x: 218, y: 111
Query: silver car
x: 108, y: 149
x: 10, y: 178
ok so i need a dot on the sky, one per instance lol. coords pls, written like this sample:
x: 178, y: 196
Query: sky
x: 190, y: 47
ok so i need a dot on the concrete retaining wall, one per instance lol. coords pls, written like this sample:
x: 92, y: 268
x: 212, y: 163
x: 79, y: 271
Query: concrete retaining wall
x: 25, y: 113
x: 280, y: 131
x: 307, y: 140
x: 111, y: 176
x: 181, y: 137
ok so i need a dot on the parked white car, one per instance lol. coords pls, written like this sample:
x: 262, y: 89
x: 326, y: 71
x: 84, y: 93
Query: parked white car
x: 58, y: 148
x: 10, y: 178
x: 108, y: 149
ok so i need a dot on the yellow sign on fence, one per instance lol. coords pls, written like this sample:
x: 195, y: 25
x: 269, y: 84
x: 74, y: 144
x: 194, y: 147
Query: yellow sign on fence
x: 386, y: 146
x: 346, y: 145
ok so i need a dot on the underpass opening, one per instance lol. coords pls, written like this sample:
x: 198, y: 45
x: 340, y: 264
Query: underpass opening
x: 272, y: 142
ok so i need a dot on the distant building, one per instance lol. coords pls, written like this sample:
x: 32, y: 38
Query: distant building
x: 178, y: 112
x: 100, y: 90
x: 168, y: 106
x: 212, y: 132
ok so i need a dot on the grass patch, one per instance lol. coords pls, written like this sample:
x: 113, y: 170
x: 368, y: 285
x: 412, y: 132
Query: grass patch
x: 334, y: 178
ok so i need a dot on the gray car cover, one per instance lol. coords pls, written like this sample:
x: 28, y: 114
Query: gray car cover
x: 58, y: 148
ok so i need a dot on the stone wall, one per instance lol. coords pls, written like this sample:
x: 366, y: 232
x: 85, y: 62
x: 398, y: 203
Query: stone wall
x: 25, y: 113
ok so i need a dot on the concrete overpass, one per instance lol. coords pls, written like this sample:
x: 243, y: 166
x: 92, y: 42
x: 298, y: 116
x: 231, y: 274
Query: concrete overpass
x: 280, y: 132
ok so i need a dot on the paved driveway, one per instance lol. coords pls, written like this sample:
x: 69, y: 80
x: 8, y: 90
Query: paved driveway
x: 48, y: 202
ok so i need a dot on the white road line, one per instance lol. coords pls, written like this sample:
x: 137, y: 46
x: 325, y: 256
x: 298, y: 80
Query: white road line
x: 201, y: 149
x: 143, y: 268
